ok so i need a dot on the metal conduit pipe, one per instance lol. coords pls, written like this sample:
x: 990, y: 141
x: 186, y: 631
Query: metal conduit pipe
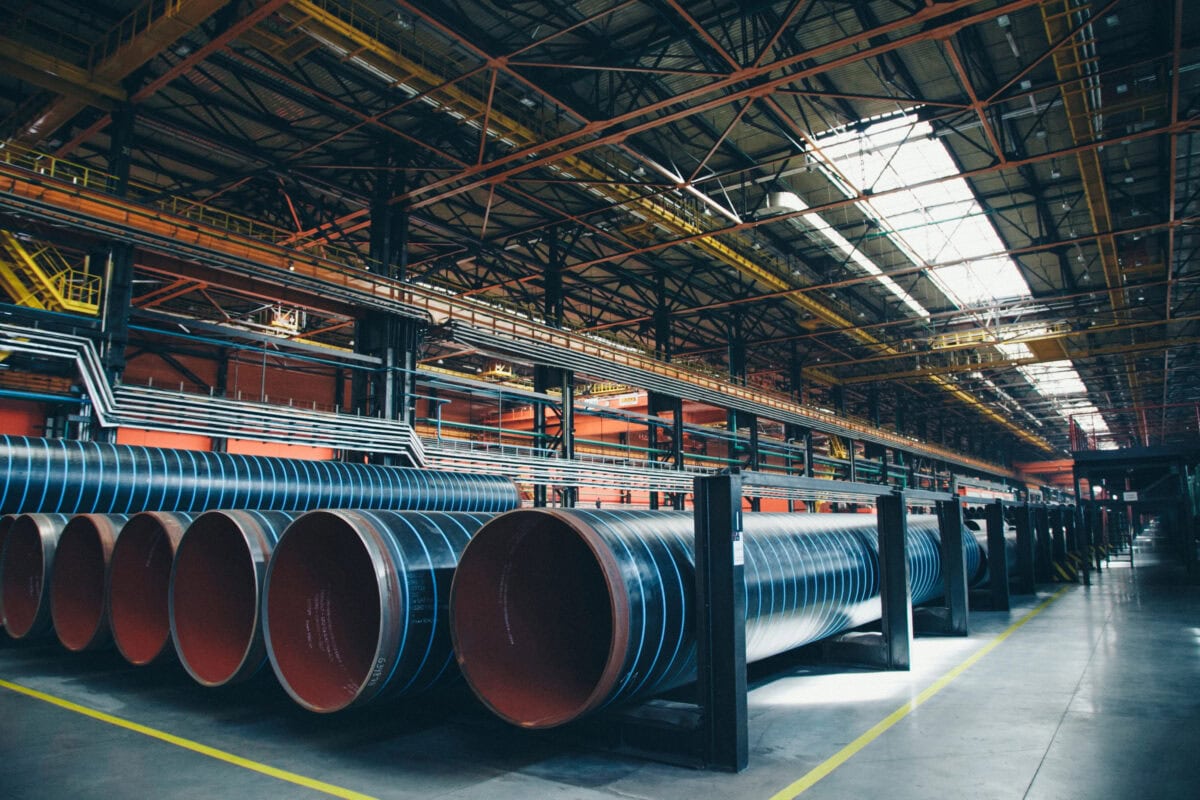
x: 78, y: 603
x: 556, y: 613
x: 72, y: 477
x: 25, y: 568
x: 6, y: 522
x: 139, y: 576
x: 356, y: 604
x: 216, y: 593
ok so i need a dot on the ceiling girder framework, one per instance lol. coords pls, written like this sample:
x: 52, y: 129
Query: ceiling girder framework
x: 678, y: 176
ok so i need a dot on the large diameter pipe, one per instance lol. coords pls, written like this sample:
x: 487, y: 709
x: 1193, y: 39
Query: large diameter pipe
x: 356, y: 604
x: 72, y: 477
x: 6, y: 521
x: 216, y: 593
x: 139, y: 577
x: 557, y: 613
x: 25, y: 567
x: 78, y: 599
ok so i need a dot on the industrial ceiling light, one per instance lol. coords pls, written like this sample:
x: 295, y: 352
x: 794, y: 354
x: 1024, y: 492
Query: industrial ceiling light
x: 781, y: 203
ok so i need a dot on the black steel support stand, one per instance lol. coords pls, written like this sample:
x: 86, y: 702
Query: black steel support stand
x: 1026, y: 576
x: 1083, y: 542
x: 1058, y: 540
x: 1043, y: 561
x: 721, y: 622
x: 949, y: 619
x: 894, y: 591
x: 891, y: 648
x: 997, y: 557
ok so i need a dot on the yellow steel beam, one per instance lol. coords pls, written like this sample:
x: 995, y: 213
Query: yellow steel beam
x: 933, y: 372
x: 992, y: 357
x: 55, y: 74
x: 1072, y: 65
x: 129, y: 44
x: 337, y: 25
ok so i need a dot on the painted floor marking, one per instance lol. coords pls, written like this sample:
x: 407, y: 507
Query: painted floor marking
x: 846, y: 753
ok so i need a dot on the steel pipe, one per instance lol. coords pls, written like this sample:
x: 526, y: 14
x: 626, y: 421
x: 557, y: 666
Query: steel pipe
x: 216, y: 593
x: 356, y: 603
x: 556, y: 613
x: 139, y: 576
x: 25, y: 569
x: 78, y: 600
x: 72, y: 477
x: 6, y: 521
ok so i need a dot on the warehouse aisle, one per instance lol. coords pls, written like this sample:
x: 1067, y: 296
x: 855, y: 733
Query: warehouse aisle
x: 1092, y: 697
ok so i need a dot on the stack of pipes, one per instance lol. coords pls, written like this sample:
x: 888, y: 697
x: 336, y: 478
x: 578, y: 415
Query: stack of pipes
x: 354, y: 585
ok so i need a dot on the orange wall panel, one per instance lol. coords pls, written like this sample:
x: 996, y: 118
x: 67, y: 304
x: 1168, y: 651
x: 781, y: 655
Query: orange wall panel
x: 22, y: 418
x: 172, y: 441
x: 247, y: 447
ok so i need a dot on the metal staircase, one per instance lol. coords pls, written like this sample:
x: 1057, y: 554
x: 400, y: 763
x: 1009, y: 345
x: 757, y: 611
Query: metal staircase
x: 41, y: 278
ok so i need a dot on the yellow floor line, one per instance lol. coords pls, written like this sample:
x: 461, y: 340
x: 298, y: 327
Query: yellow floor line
x: 847, y: 752
x: 188, y: 744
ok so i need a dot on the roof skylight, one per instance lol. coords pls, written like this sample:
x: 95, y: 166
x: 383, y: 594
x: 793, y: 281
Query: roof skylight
x: 931, y: 215
x: 928, y: 213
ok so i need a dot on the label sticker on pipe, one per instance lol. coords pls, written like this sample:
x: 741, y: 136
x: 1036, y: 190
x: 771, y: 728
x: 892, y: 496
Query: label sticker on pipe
x: 739, y: 551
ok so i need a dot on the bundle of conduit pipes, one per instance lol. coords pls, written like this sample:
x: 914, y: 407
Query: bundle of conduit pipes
x: 97, y: 578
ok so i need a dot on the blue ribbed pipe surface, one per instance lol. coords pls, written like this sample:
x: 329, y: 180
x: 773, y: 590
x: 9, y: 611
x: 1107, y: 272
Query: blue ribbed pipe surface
x: 73, y: 477
x: 355, y: 604
x: 556, y: 613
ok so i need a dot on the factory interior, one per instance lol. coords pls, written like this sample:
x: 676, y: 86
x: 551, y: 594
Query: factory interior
x: 613, y: 399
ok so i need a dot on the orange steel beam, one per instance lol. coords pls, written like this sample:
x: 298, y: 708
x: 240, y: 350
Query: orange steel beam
x: 528, y: 158
x: 1099, y: 144
x: 869, y: 279
x: 178, y: 288
x: 108, y: 214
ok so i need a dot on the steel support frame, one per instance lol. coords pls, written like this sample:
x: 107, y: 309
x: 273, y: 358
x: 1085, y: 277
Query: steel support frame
x: 721, y: 622
x: 949, y: 619
x: 1026, y: 549
x: 1043, y: 548
x: 997, y: 546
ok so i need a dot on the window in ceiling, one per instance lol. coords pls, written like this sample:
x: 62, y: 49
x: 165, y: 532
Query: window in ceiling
x: 934, y: 218
x: 928, y: 213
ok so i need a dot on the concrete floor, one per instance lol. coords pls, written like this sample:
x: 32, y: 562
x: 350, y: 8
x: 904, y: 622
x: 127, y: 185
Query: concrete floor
x: 1096, y: 697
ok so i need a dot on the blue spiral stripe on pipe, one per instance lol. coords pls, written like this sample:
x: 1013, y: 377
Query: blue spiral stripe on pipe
x: 88, y: 477
x: 807, y: 577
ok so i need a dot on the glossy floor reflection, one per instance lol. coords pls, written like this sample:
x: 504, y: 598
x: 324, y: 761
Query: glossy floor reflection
x: 1096, y: 697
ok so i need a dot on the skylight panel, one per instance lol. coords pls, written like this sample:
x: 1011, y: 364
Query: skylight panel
x: 932, y: 216
x: 928, y: 211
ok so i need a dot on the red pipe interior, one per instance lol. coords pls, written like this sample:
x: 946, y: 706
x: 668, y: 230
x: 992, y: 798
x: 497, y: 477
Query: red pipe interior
x: 532, y: 619
x: 139, y: 576
x: 23, y: 577
x: 214, y: 599
x: 322, y: 611
x: 6, y: 522
x: 77, y: 589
